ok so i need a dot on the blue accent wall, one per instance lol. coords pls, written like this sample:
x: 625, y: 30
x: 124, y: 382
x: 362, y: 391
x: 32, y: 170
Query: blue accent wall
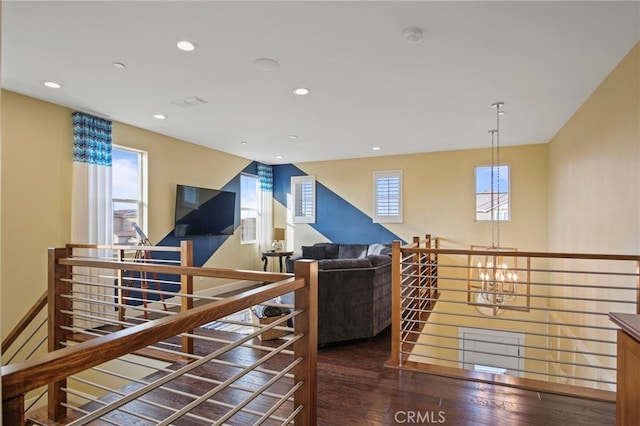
x: 337, y: 219
x: 203, y: 246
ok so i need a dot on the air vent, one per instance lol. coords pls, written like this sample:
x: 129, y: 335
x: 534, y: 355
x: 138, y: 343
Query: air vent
x: 191, y: 102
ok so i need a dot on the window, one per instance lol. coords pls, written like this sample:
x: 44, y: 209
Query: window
x: 248, y: 209
x: 492, y: 201
x: 128, y: 180
x: 303, y: 193
x: 387, y: 196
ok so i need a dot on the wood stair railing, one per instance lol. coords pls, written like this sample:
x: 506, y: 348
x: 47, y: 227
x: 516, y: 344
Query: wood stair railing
x: 24, y: 322
x: 53, y: 368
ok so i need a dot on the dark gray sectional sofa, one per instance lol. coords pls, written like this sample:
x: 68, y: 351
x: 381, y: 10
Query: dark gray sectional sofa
x: 354, y: 289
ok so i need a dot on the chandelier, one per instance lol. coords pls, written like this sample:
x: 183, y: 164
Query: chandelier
x: 493, y: 274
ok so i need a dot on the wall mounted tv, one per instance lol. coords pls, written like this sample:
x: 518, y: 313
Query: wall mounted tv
x: 202, y: 211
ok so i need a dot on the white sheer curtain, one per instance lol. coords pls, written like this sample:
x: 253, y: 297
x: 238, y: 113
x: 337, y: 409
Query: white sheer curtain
x: 265, y: 174
x: 91, y: 214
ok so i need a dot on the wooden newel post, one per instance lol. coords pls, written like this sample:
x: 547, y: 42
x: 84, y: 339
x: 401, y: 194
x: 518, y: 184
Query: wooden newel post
x: 186, y: 290
x: 416, y: 293
x: 56, y: 304
x: 306, y: 299
x: 396, y: 308
x: 13, y: 411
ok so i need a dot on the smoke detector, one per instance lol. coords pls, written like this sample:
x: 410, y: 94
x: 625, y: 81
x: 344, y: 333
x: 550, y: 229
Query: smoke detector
x: 413, y: 34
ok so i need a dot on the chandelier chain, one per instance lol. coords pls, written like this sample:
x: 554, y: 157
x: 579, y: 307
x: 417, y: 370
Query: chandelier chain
x: 495, y: 192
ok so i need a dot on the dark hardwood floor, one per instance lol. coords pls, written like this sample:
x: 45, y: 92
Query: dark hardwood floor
x: 355, y: 388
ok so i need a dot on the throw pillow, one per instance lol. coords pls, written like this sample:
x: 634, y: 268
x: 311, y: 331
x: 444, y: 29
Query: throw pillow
x: 352, y: 251
x: 379, y: 249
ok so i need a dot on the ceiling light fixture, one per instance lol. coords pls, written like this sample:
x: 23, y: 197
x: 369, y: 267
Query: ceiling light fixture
x: 376, y: 148
x: 52, y: 84
x: 301, y: 91
x: 119, y: 65
x: 495, y: 288
x: 186, y: 46
x: 293, y: 136
x: 279, y: 157
x: 243, y: 142
x: 159, y: 116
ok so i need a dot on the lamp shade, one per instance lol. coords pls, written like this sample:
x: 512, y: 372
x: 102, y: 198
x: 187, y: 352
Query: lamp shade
x: 278, y: 234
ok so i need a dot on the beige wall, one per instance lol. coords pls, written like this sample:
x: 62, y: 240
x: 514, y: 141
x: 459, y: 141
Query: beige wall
x: 439, y: 195
x: 35, y: 194
x: 594, y: 196
x: 35, y: 197
x: 594, y: 169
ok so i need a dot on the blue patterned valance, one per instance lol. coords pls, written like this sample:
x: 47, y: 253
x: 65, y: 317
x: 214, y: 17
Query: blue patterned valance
x: 265, y: 174
x: 91, y: 139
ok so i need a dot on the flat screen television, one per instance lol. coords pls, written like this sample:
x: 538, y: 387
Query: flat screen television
x: 202, y: 211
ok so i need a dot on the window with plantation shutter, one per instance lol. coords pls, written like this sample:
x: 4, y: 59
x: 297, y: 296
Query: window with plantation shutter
x: 387, y: 196
x: 303, y: 194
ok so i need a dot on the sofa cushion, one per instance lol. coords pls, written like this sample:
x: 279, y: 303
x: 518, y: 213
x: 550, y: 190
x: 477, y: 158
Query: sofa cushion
x: 379, y: 259
x: 343, y: 263
x: 379, y: 249
x: 330, y: 250
x: 352, y: 251
x: 313, y: 252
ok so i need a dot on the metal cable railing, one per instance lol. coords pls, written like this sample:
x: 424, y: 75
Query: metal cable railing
x: 241, y: 372
x: 552, y: 327
x: 248, y: 371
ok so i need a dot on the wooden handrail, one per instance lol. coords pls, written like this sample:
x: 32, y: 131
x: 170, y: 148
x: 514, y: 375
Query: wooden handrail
x: 123, y: 247
x: 24, y: 322
x: 179, y: 270
x: 537, y: 254
x: 24, y: 376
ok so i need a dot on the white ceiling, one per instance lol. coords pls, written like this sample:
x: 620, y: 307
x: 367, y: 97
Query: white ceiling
x: 369, y: 87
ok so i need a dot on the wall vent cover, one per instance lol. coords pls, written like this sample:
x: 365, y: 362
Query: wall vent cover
x: 191, y: 102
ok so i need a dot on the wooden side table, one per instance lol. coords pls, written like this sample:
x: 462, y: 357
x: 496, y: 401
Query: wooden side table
x: 279, y: 254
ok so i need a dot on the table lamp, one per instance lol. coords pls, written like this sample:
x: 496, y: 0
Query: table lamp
x: 278, y: 236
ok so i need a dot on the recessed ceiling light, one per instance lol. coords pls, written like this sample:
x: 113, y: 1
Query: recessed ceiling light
x: 159, y: 116
x: 266, y: 64
x: 119, y: 65
x: 301, y: 91
x: 279, y: 157
x: 185, y: 45
x: 52, y: 84
x: 293, y: 136
x: 243, y: 142
x: 376, y: 148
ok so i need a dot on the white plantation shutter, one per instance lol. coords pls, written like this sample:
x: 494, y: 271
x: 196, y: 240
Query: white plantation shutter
x: 387, y: 196
x: 303, y: 193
